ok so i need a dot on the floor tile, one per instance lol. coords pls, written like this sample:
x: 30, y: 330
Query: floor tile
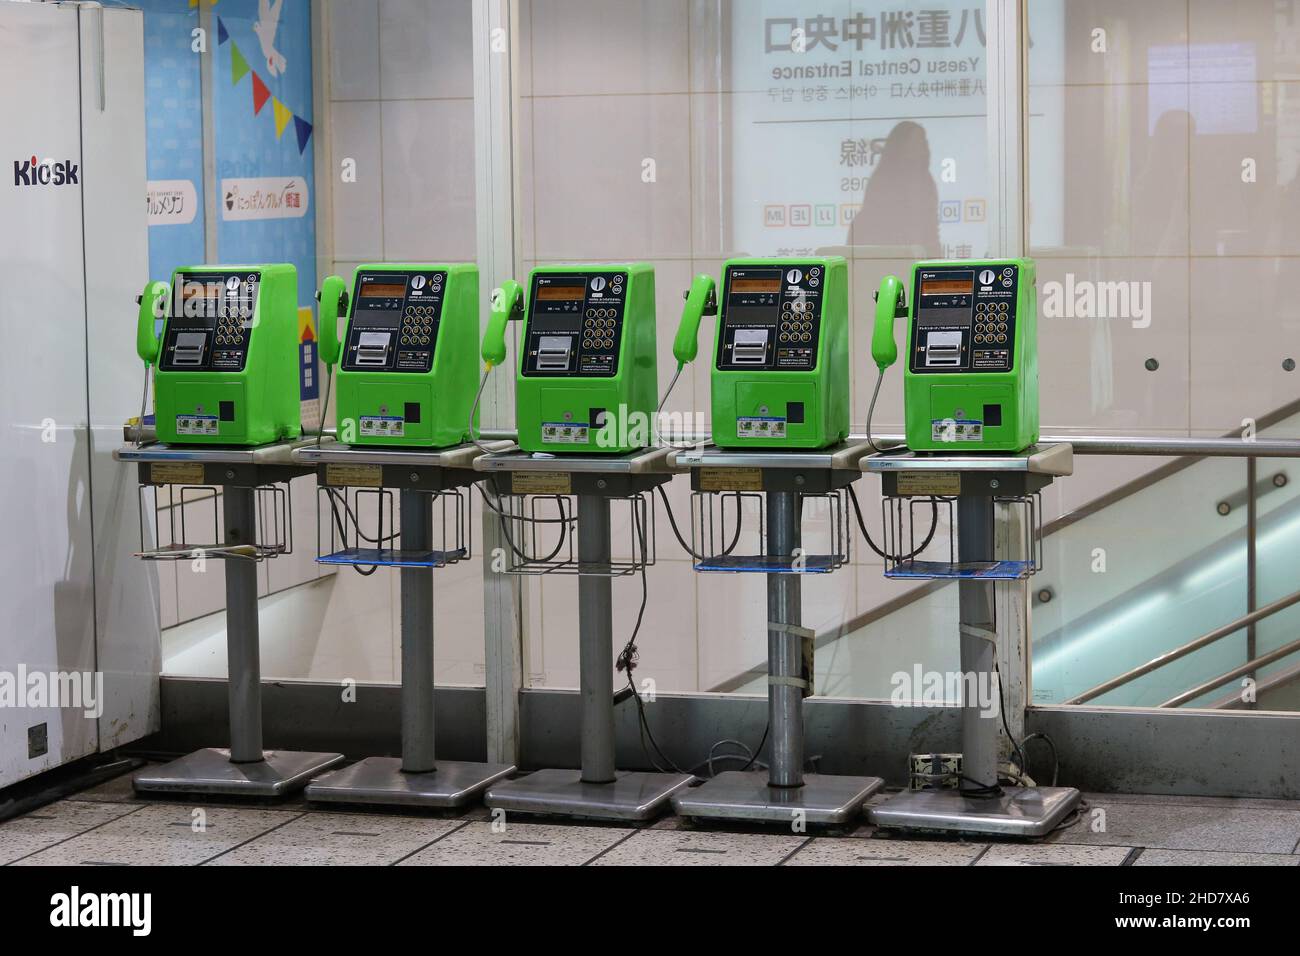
x: 702, y: 848
x: 116, y: 790
x: 858, y: 852
x: 1159, y: 857
x: 53, y: 824
x: 162, y: 835
x: 339, y: 839
x: 1230, y: 829
x: 519, y: 844
x: 1053, y: 854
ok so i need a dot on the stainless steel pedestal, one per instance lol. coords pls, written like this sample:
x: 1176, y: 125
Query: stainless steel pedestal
x: 211, y: 771
x: 629, y: 796
x: 598, y: 790
x: 244, y: 768
x: 418, y: 779
x: 747, y: 795
x: 783, y: 794
x: 1019, y: 812
x: 381, y: 780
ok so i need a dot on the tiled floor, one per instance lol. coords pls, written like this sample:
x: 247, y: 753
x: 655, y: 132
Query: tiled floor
x: 110, y: 824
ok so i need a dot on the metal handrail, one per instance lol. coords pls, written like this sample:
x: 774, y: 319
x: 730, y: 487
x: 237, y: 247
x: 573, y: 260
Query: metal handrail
x: 1286, y: 650
x: 1272, y: 682
x: 1179, y: 652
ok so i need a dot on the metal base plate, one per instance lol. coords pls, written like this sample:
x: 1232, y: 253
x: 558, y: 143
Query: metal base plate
x: 381, y: 780
x: 745, y: 795
x: 280, y: 772
x: 631, y: 796
x: 1019, y: 812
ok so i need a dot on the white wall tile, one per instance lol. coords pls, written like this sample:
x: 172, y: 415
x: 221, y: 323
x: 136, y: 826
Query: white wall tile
x: 354, y: 49
x: 591, y: 202
x: 1091, y: 370
x: 576, y: 47
x: 1245, y: 322
x: 426, y: 49
x: 428, y: 180
x: 358, y: 205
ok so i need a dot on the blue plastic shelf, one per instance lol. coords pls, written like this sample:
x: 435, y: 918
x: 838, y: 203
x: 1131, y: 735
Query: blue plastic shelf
x: 389, y: 558
x: 762, y: 564
x: 982, y: 570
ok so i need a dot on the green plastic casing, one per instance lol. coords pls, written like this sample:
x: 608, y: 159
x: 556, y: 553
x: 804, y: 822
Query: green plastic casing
x: 767, y: 393
x: 265, y: 396
x: 952, y: 397
x: 444, y: 394
x: 628, y: 397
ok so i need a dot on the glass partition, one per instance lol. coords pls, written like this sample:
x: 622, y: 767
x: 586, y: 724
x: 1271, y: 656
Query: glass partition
x: 686, y: 133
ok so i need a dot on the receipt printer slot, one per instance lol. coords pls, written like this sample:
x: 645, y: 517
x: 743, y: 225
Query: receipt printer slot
x: 372, y: 348
x: 943, y: 349
x: 749, y: 347
x: 189, y: 348
x: 553, y: 353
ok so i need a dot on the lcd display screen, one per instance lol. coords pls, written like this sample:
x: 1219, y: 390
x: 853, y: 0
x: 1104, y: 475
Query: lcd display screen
x: 949, y: 285
x: 383, y: 290
x: 561, y: 292
x: 756, y: 285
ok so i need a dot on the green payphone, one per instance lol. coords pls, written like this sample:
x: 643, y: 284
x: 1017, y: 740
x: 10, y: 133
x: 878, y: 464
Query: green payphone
x: 780, y: 374
x: 970, y: 382
x: 406, y: 356
x: 226, y: 363
x: 587, y: 375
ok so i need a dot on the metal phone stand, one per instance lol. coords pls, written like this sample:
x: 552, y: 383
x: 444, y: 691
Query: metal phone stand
x: 783, y: 478
x: 976, y: 484
x: 243, y: 475
x: 426, y: 481
x: 598, y: 790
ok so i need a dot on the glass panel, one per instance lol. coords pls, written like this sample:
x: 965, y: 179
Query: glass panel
x: 1162, y: 168
x: 776, y: 130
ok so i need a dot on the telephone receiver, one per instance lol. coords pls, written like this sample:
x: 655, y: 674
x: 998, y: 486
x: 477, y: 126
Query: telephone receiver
x: 890, y: 305
x: 701, y: 300
x: 147, y: 345
x: 333, y: 299
x: 507, y: 304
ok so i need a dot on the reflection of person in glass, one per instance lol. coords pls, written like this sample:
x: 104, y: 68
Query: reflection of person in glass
x: 900, y: 206
x: 1159, y: 205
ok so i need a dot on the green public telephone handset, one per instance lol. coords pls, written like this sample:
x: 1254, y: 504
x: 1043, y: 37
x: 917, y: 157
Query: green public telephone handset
x: 891, y: 304
x: 507, y: 304
x: 153, y: 307
x: 333, y: 298
x: 701, y: 300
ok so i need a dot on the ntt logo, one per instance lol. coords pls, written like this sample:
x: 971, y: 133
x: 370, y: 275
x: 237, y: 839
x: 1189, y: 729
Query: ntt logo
x: 34, y: 172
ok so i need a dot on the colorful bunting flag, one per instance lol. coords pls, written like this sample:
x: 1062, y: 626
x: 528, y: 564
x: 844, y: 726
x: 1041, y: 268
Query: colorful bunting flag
x: 238, y: 65
x: 260, y: 93
x: 303, y: 129
x: 239, y: 68
x: 282, y: 116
